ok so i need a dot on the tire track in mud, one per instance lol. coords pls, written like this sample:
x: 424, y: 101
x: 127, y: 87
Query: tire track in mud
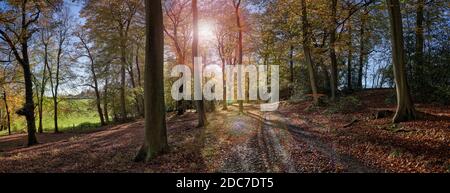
x: 263, y: 151
x: 315, y: 142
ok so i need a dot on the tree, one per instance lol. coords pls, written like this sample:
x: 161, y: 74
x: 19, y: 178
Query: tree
x: 225, y: 41
x: 333, y: 58
x: 202, y: 121
x: 45, y: 41
x: 86, y: 44
x: 420, y: 39
x: 350, y: 59
x: 307, y: 52
x: 178, y: 29
x: 17, y: 29
x: 405, y: 108
x: 62, y: 34
x: 111, y: 21
x: 5, y: 101
x: 155, y: 141
x: 362, y: 50
x: 8, y: 114
x: 237, y: 11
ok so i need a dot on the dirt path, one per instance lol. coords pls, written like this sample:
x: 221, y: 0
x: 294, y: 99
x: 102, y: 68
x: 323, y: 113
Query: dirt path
x: 262, y: 151
x: 276, y: 140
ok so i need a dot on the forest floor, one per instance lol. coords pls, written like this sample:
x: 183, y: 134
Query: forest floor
x: 296, y: 138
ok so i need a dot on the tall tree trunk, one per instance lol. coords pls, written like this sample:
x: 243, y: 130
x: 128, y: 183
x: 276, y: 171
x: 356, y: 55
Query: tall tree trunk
x: 350, y: 60
x: 139, y: 82
x: 29, y: 103
x: 333, y: 58
x: 405, y: 107
x: 98, y: 99
x: 136, y: 94
x: 361, y: 52
x: 123, y: 60
x: 42, y: 89
x: 202, y: 121
x: 240, y: 42
x: 291, y: 63
x: 123, y: 107
x: 55, y: 95
x: 326, y: 75
x: 138, y: 67
x: 95, y: 81
x: 224, y: 82
x: 155, y: 141
x: 419, y: 39
x: 105, y: 101
x: 8, y: 114
x: 307, y: 51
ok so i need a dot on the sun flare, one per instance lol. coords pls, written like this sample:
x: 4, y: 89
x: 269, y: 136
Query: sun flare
x: 206, y: 31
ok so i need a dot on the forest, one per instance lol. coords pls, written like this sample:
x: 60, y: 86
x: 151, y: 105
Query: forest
x: 175, y: 86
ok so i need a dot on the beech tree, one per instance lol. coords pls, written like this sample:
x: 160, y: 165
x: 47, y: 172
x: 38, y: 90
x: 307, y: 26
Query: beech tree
x: 307, y: 51
x: 405, y: 108
x: 237, y: 11
x: 155, y: 141
x: 202, y: 121
x: 333, y: 58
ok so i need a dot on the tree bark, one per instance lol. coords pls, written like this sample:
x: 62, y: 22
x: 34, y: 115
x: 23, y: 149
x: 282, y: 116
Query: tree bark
x: 405, y: 108
x: 55, y: 93
x: 134, y: 85
x: 29, y: 103
x: 8, y: 114
x: 123, y: 107
x: 224, y: 82
x: 202, y: 121
x: 361, y: 53
x: 419, y: 39
x: 95, y: 81
x: 291, y: 63
x: 105, y: 101
x: 333, y: 58
x: 139, y: 83
x: 350, y: 60
x: 240, y: 42
x: 155, y: 141
x: 42, y: 90
x: 138, y: 68
x: 97, y: 97
x: 307, y: 52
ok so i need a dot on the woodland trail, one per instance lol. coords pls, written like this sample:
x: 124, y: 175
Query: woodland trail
x: 267, y: 151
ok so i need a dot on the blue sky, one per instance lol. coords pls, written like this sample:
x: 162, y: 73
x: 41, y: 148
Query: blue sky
x: 75, y: 8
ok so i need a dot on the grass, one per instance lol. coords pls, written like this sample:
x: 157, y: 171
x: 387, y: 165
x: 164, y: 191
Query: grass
x: 74, y: 115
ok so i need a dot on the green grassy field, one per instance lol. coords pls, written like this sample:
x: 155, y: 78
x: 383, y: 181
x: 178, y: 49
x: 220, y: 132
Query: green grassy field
x: 74, y: 114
